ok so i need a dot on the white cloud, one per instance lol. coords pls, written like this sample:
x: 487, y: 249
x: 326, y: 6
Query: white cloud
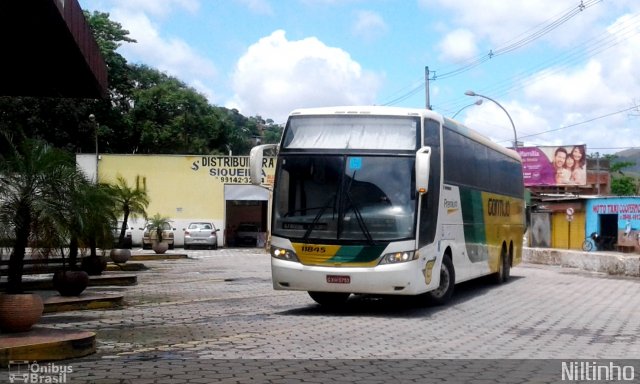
x: 458, y: 45
x: 168, y: 54
x: 369, y: 25
x: 276, y: 75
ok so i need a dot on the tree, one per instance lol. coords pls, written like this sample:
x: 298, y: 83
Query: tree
x: 170, y: 117
x: 624, y: 186
x: 33, y: 177
x: 621, y: 184
x: 131, y: 202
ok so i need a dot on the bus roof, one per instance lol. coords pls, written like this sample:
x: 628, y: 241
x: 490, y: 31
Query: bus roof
x: 362, y: 110
x: 400, y: 111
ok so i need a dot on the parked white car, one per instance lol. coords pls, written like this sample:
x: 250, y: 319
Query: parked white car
x: 149, y: 235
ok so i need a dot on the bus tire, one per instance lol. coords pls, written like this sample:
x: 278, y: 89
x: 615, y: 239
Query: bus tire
x: 504, y: 270
x: 443, y: 293
x: 329, y: 299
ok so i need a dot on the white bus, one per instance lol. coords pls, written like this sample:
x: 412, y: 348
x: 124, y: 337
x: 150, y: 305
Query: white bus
x: 390, y: 201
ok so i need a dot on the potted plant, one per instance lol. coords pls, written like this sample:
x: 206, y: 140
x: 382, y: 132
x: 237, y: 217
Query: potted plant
x: 131, y: 202
x: 157, y: 225
x: 89, y: 210
x: 33, y: 177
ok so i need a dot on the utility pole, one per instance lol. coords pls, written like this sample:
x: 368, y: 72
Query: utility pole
x: 426, y: 86
x: 598, y: 172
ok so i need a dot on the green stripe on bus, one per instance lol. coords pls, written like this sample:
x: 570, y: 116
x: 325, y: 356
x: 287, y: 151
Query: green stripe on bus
x: 357, y: 254
x: 472, y: 215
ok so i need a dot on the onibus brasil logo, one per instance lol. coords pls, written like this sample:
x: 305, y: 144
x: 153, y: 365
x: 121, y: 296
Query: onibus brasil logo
x: 23, y: 371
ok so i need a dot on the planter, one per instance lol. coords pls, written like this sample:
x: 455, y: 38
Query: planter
x: 70, y: 283
x: 19, y: 312
x: 160, y: 247
x: 94, y: 265
x: 120, y: 256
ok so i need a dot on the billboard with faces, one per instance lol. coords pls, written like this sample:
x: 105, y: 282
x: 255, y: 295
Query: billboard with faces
x: 554, y: 166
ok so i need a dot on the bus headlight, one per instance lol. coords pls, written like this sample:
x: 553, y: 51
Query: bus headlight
x: 398, y: 257
x: 283, y: 254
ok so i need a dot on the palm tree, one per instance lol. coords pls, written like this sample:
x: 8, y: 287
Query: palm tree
x: 91, y: 212
x: 158, y: 223
x: 33, y: 177
x: 131, y: 202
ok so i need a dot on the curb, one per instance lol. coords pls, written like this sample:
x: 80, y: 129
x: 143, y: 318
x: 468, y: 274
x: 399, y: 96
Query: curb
x: 153, y: 256
x: 45, y: 344
x: 94, y: 281
x: 56, y: 303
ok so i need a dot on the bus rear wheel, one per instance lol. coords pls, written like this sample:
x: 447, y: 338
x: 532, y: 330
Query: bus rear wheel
x: 330, y: 299
x: 443, y: 293
x: 504, y: 270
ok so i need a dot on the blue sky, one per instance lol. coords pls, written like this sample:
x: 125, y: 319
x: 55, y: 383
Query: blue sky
x: 565, y: 70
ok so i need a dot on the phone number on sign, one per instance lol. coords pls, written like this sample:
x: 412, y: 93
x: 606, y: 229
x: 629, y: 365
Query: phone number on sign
x: 237, y: 180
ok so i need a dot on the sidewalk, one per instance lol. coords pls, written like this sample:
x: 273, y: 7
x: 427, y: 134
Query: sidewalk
x: 613, y: 263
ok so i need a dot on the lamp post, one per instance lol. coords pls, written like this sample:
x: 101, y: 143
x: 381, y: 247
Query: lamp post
x: 478, y: 102
x: 515, y: 135
x: 92, y: 118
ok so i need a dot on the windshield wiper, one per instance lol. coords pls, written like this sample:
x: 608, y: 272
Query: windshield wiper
x: 356, y: 211
x: 318, y: 216
x: 360, y: 219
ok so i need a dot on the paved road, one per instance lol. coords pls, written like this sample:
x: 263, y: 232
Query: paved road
x: 215, y: 317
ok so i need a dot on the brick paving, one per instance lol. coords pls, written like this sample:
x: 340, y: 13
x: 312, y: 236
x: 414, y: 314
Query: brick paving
x: 215, y: 318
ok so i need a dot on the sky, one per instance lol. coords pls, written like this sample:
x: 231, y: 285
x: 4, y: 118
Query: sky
x: 565, y: 71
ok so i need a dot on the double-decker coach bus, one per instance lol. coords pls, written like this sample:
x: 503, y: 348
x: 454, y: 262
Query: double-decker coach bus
x: 391, y: 201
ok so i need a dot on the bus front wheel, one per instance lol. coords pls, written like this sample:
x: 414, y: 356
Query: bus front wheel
x: 330, y: 299
x: 443, y: 293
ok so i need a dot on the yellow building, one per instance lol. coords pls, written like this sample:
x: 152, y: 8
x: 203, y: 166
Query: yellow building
x: 190, y: 188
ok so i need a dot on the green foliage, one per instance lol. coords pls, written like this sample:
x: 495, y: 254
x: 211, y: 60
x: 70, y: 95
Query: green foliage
x: 623, y: 186
x: 619, y: 166
x: 36, y: 184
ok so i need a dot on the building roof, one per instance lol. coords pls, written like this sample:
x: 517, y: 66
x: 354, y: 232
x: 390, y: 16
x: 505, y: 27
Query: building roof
x: 48, y: 50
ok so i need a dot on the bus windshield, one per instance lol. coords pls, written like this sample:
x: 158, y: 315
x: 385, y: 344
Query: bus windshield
x: 345, y: 198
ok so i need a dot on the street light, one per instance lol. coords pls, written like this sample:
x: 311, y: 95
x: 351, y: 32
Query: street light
x: 92, y: 118
x: 478, y: 102
x: 515, y: 135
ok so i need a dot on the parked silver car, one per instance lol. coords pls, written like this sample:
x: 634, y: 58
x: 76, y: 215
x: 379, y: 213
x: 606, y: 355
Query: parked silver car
x: 201, y: 234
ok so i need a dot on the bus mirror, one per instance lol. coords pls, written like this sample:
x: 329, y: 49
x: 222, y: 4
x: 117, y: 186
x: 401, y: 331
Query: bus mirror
x: 423, y: 159
x: 255, y: 162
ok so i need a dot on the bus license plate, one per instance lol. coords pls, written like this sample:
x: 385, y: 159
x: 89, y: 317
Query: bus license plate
x: 338, y: 279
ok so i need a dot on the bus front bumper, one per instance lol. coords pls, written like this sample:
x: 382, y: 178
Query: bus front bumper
x: 393, y: 279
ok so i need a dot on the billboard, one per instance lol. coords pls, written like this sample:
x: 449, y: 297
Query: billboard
x: 554, y: 166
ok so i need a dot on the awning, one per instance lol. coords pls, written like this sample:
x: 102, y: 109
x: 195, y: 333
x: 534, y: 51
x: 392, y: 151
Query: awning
x: 245, y: 192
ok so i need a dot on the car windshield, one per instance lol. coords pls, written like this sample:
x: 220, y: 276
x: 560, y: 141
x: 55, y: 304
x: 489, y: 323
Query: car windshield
x: 200, y: 226
x: 165, y: 227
